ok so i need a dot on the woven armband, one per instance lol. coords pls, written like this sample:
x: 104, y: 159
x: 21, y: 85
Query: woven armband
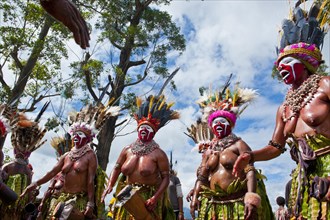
x: 249, y: 168
x: 203, y: 179
x: 117, y: 166
x: 277, y: 145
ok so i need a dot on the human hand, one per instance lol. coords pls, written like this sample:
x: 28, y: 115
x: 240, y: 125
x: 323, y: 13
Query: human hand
x: 151, y: 204
x: 250, y: 212
x: 320, y: 188
x: 241, y: 162
x: 67, y: 13
x: 89, y: 212
x: 28, y: 189
x: 106, y: 192
x: 190, y: 195
x: 194, y: 204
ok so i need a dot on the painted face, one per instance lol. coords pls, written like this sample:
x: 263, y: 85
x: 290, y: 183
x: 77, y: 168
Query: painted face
x: 221, y: 127
x: 80, y: 139
x: 145, y: 133
x: 290, y: 69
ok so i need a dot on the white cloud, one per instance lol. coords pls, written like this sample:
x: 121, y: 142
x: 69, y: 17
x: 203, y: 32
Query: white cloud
x: 236, y: 37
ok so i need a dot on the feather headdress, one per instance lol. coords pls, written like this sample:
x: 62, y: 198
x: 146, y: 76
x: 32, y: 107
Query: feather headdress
x: 201, y: 134
x: 155, y: 112
x: 26, y: 134
x: 302, y: 35
x: 61, y: 145
x: 91, y: 118
x: 226, y: 103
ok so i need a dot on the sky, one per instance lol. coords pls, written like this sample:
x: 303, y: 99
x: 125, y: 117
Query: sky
x: 222, y: 37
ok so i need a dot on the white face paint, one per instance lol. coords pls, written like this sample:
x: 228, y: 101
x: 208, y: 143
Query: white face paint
x: 221, y: 127
x: 145, y: 133
x: 79, y: 138
x: 289, y: 70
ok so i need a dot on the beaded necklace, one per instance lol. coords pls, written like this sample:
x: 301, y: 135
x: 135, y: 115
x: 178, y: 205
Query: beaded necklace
x: 140, y: 148
x: 223, y: 143
x: 298, y: 98
x: 76, y: 153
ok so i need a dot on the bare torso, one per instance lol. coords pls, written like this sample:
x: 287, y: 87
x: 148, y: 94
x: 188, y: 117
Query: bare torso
x: 314, y: 117
x: 143, y: 169
x: 76, y: 173
x: 221, y: 164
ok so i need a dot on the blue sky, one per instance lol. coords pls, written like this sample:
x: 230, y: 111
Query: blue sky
x: 223, y: 37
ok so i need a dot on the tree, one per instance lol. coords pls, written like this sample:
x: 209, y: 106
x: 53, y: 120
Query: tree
x: 141, y: 37
x: 31, y: 47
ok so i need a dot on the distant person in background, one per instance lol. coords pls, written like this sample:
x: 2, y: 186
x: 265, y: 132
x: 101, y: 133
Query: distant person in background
x: 281, y: 213
x: 175, y: 194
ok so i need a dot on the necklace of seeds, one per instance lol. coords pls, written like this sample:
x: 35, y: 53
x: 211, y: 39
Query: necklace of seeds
x: 140, y: 149
x: 298, y: 98
x: 223, y: 143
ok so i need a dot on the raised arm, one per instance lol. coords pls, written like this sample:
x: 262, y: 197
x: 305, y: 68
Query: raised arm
x: 275, y: 147
x: 48, y: 176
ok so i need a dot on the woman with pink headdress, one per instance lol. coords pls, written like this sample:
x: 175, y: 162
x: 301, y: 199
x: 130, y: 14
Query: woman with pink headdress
x: 302, y: 121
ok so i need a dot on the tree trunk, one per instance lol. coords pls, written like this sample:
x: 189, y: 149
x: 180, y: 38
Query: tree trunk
x: 105, y: 139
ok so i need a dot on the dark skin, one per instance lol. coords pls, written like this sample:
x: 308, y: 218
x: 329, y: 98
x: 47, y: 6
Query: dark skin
x: 67, y: 13
x: 313, y: 118
x: 151, y: 169
x: 79, y: 177
x: 217, y: 166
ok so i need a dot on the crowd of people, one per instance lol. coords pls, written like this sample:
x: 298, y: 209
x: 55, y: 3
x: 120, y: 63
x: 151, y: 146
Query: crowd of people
x: 143, y: 182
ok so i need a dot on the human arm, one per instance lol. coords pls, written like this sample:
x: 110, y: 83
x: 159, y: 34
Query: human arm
x: 48, y: 176
x: 114, y: 174
x: 274, y: 148
x: 202, y: 179
x: 92, y: 166
x: 163, y: 165
x: 67, y: 13
x: 180, y: 199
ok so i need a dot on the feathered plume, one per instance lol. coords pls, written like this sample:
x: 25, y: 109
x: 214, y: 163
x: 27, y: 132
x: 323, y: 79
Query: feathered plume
x: 155, y: 111
x: 92, y: 118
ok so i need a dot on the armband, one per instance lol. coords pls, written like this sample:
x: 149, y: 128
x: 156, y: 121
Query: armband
x: 252, y: 198
x: 249, y: 168
x: 277, y: 145
x: 117, y: 166
x: 203, y: 179
x: 90, y: 204
x: 165, y: 173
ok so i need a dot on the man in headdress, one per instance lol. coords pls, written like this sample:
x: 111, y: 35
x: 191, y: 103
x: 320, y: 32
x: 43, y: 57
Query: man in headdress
x: 303, y: 120
x: 144, y: 164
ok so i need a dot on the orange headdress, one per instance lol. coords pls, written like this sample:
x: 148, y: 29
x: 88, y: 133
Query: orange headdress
x: 154, y: 112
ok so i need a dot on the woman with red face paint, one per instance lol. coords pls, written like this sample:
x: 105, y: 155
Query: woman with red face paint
x: 75, y: 170
x: 218, y: 194
x: 145, y: 165
x: 302, y: 121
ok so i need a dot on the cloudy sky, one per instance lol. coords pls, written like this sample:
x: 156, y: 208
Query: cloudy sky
x: 223, y: 37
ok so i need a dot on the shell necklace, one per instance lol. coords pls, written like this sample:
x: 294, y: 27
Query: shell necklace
x: 298, y: 98
x: 140, y: 148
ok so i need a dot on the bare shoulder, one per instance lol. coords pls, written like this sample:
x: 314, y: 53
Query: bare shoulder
x: 325, y: 85
x: 242, y: 146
